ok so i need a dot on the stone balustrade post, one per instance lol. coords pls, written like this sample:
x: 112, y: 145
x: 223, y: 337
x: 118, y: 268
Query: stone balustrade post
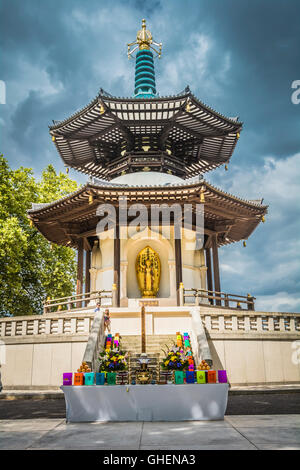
x: 181, y: 294
x: 271, y: 323
x: 246, y: 323
x: 208, y: 322
x: 13, y: 328
x: 221, y: 323
x: 234, y: 323
x: 259, y: 324
x: 114, y: 295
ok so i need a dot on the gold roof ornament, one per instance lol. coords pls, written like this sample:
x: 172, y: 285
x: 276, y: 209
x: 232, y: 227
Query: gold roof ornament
x: 188, y: 107
x: 144, y: 40
x: 202, y: 197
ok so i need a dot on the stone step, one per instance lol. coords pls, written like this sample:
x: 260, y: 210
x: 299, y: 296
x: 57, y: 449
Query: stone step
x: 154, y: 343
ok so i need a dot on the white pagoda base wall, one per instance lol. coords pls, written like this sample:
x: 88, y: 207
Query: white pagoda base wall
x: 256, y: 348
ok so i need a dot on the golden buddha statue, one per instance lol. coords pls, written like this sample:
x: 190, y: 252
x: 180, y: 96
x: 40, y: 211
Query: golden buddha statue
x: 148, y: 272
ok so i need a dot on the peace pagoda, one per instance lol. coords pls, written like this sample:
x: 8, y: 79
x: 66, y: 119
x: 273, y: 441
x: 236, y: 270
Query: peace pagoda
x: 147, y: 228
x: 149, y: 150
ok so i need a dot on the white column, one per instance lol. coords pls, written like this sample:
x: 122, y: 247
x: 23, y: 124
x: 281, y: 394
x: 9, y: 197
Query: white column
x: 203, y: 274
x: 93, y: 274
x: 123, y: 280
x: 95, y: 267
x: 172, y: 271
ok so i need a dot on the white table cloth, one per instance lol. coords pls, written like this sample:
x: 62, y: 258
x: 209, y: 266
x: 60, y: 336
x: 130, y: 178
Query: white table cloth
x: 145, y: 402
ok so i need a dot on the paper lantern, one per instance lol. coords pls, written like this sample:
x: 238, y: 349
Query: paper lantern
x: 222, y: 377
x: 111, y: 378
x: 179, y: 376
x: 67, y: 378
x: 78, y: 378
x: 89, y: 378
x: 201, y: 378
x: 190, y: 377
x: 100, y: 378
x: 211, y: 376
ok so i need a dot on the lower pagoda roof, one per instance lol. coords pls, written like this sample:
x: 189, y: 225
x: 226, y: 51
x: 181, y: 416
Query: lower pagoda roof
x: 177, y: 134
x: 74, y: 217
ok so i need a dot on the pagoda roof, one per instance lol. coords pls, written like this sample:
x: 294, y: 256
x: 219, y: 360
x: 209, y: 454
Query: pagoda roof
x: 176, y: 134
x: 73, y: 217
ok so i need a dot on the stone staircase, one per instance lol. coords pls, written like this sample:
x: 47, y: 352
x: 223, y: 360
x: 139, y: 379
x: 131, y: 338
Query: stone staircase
x: 154, y: 344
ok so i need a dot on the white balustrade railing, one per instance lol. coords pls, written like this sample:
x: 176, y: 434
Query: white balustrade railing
x: 252, y: 323
x: 46, y: 325
x: 194, y: 296
x: 77, y: 301
x: 231, y: 321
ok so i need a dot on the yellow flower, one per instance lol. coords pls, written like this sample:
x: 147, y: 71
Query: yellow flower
x: 173, y: 358
x: 167, y: 362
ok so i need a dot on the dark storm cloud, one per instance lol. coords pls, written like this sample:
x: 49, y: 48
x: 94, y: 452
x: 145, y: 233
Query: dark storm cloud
x: 239, y: 57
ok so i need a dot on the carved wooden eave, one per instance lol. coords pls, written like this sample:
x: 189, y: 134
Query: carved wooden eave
x: 74, y: 217
x: 176, y: 134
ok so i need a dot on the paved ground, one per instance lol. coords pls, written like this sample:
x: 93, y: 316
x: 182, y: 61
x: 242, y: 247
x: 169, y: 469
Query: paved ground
x: 257, y: 419
x: 244, y: 403
x: 235, y: 432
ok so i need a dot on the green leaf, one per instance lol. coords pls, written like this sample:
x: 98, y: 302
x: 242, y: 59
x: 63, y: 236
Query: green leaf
x: 29, y: 270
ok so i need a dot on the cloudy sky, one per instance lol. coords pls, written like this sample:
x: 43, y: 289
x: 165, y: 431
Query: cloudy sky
x: 237, y: 56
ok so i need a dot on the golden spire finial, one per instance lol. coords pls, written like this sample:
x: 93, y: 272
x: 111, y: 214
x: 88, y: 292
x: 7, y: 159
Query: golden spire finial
x: 144, y: 40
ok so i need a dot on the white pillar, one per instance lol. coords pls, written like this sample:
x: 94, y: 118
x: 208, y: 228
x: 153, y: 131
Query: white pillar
x: 172, y: 271
x: 96, y: 264
x: 203, y: 275
x: 123, y: 280
x: 93, y: 275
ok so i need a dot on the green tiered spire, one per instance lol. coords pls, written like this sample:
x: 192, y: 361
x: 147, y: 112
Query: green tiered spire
x: 144, y: 86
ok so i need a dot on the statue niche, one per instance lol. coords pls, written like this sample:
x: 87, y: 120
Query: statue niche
x: 147, y: 269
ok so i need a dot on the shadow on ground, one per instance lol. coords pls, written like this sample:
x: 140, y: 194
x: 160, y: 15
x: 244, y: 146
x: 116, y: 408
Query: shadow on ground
x: 252, y: 404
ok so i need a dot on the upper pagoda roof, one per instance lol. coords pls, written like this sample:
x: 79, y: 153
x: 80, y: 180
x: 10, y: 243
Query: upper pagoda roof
x: 176, y: 134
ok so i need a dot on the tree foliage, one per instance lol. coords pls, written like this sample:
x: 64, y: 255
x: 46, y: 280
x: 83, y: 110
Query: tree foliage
x: 30, y: 268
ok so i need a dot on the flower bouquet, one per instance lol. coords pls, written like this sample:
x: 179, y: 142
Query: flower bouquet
x: 175, y: 360
x: 112, y: 360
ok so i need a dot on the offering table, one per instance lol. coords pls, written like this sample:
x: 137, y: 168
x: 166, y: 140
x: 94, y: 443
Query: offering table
x: 187, y: 402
